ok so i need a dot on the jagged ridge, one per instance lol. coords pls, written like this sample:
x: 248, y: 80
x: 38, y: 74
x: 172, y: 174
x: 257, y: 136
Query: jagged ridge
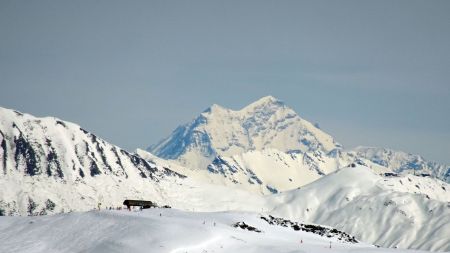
x: 38, y: 151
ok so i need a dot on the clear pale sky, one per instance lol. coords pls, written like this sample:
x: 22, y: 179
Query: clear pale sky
x: 374, y: 73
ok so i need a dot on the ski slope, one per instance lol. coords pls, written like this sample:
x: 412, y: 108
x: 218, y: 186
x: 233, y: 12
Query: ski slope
x: 174, y: 231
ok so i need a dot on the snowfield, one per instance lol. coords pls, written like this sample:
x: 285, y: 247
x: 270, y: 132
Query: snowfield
x: 172, y: 232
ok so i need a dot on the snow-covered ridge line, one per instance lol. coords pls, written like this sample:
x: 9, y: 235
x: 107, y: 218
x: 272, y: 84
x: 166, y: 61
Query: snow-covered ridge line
x: 401, y: 162
x: 43, y: 159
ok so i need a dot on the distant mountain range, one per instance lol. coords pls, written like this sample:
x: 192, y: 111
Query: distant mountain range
x: 263, y: 158
x: 266, y: 147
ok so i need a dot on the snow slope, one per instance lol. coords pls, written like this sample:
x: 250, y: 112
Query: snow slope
x: 271, y: 171
x: 263, y: 172
x: 375, y: 209
x: 354, y: 200
x: 266, y: 123
x: 173, y: 231
x: 403, y: 211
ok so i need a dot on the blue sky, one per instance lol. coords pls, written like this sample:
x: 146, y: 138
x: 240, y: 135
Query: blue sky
x: 373, y: 73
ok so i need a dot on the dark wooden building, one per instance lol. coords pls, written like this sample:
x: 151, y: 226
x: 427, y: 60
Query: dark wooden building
x: 141, y: 203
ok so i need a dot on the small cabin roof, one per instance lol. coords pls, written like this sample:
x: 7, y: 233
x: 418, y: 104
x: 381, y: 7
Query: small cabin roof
x: 135, y: 202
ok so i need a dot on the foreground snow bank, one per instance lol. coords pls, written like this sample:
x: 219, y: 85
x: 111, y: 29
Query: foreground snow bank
x: 161, y: 230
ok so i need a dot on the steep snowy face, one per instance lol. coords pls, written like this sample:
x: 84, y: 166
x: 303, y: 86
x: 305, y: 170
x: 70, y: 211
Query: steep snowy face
x: 47, y: 164
x: 398, y: 161
x: 266, y: 123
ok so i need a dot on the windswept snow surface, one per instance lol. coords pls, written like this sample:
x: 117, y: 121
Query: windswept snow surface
x: 173, y: 232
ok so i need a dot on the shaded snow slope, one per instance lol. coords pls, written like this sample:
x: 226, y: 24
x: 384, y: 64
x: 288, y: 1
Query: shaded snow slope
x: 266, y: 123
x: 373, y: 208
x: 174, y: 231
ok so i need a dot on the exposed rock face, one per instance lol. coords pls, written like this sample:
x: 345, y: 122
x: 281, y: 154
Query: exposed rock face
x: 41, y: 158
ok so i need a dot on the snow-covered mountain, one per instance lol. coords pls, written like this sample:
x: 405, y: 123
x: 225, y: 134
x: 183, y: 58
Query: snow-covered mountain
x: 267, y: 148
x: 405, y: 211
x: 380, y: 210
x: 400, y: 210
x: 272, y: 171
x: 399, y: 162
x: 48, y: 165
x: 266, y: 123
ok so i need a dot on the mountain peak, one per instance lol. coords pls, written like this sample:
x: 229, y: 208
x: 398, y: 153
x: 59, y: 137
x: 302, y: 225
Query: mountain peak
x: 265, y: 123
x: 214, y: 108
x: 268, y: 99
x: 264, y: 102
